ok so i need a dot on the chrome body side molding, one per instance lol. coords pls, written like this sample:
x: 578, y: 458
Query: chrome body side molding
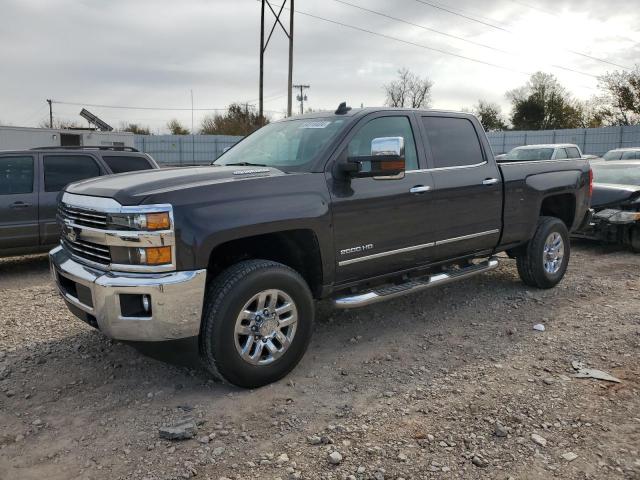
x: 417, y: 247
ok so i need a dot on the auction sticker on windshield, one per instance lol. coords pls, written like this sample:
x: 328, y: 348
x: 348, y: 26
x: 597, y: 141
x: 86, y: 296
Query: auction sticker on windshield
x: 315, y: 124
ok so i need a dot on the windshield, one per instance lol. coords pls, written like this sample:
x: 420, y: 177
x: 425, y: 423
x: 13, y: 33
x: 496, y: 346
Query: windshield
x: 529, y: 154
x: 288, y: 146
x: 617, y: 174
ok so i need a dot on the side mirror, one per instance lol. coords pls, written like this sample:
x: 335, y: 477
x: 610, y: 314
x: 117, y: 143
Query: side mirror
x: 385, y: 162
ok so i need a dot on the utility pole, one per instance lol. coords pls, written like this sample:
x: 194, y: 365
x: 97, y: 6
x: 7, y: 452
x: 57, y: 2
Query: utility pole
x: 49, y: 101
x: 263, y: 47
x: 290, y: 82
x: 301, y: 97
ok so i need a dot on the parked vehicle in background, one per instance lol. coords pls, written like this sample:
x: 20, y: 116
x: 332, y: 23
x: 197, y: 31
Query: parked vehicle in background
x: 616, y: 204
x: 30, y: 181
x: 623, y: 154
x: 360, y: 206
x: 558, y: 151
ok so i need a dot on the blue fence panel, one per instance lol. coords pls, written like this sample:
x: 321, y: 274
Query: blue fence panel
x: 184, y: 150
x: 594, y: 141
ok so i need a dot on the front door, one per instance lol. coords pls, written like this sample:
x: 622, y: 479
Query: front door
x: 18, y: 202
x: 380, y: 225
x: 467, y: 199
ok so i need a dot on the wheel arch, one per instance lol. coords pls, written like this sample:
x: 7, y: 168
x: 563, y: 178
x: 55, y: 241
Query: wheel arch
x: 299, y: 249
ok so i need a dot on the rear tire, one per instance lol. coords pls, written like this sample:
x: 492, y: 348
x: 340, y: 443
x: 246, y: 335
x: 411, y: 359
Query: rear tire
x: 546, y: 256
x: 257, y: 323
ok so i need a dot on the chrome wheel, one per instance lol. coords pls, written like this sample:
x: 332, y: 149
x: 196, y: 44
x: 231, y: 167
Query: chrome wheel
x: 553, y: 252
x: 265, y: 327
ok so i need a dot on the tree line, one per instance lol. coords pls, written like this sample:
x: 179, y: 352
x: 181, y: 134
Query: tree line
x: 542, y: 103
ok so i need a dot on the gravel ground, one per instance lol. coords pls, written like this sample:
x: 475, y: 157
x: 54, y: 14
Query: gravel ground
x: 450, y: 383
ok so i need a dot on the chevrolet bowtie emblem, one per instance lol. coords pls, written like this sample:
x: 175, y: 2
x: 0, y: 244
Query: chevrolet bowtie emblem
x: 71, y: 235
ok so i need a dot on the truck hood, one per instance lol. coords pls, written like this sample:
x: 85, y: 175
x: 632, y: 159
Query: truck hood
x: 611, y: 195
x: 133, y: 188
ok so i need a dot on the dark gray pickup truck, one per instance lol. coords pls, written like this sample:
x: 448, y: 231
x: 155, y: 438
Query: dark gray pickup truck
x: 358, y: 205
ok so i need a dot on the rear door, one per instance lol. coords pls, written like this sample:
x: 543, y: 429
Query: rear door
x: 18, y: 201
x: 467, y: 199
x: 58, y: 170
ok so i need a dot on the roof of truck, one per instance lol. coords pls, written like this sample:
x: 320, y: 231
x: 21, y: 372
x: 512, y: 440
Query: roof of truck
x: 363, y: 111
x: 547, y: 145
x: 625, y: 149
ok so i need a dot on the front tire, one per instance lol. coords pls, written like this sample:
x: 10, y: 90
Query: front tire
x: 257, y: 323
x: 546, y: 257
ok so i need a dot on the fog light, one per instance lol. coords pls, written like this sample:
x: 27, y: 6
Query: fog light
x: 146, y: 303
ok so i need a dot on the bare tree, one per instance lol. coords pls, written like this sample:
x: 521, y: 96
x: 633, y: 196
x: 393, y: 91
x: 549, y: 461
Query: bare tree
x: 622, y: 97
x: 409, y: 90
x: 176, y: 128
x: 237, y: 120
x: 134, y: 128
x: 59, y: 124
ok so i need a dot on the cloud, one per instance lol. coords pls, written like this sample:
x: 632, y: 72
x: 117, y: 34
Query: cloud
x: 152, y: 53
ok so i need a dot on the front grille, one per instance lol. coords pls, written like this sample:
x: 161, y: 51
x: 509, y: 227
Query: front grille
x: 87, y: 250
x: 81, y: 216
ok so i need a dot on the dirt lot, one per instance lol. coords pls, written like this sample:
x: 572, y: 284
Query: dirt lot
x: 451, y: 383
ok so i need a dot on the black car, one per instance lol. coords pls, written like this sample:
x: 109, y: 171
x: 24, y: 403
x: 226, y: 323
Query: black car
x: 616, y: 203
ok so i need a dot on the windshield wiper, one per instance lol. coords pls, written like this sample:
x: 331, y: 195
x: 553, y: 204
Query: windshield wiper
x: 245, y: 164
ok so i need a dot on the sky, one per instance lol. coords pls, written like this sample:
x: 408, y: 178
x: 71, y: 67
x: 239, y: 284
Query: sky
x: 154, y: 53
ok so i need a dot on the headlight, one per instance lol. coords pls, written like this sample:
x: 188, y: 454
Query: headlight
x: 624, y: 217
x: 139, y: 221
x: 141, y: 256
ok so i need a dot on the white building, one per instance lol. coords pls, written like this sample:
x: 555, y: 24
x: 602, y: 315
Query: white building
x: 22, y: 138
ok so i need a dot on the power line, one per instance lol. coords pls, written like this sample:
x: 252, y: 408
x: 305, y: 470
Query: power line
x: 455, y: 36
x: 424, y: 27
x: 407, y: 42
x: 472, y: 19
x: 127, y: 107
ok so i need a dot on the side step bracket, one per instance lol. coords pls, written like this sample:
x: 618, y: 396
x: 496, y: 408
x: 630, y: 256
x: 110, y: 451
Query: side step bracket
x: 394, y: 291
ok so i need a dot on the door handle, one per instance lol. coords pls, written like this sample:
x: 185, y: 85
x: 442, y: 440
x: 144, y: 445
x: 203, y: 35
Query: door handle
x: 19, y: 205
x: 420, y: 189
x: 489, y: 181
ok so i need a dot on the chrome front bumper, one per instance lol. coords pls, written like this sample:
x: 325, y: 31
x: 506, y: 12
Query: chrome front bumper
x: 94, y: 296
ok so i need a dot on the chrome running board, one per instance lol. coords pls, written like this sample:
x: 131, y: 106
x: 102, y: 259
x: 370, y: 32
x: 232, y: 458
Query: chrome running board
x: 393, y: 291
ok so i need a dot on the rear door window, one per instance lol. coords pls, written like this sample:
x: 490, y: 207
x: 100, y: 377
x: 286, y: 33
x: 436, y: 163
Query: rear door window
x: 122, y: 163
x: 60, y: 170
x: 16, y: 175
x: 454, y: 142
x: 631, y: 155
x: 560, y: 153
x: 573, y: 152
